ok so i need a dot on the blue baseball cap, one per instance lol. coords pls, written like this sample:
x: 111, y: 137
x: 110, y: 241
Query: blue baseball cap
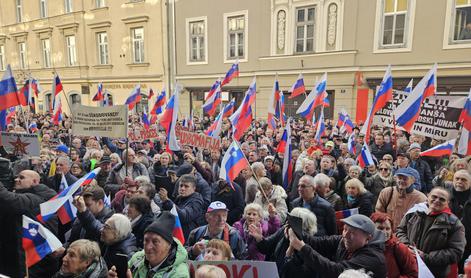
x: 62, y: 148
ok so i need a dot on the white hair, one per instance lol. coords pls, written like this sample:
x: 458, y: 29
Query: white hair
x: 253, y: 206
x: 309, y: 219
x: 321, y: 180
x: 257, y: 165
x: 354, y: 273
x: 142, y: 179
x: 121, y: 225
x: 210, y: 271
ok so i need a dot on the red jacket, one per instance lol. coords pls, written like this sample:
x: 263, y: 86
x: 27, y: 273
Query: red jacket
x: 401, y: 263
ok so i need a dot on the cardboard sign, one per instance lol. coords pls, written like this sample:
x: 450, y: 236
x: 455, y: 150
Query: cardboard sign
x: 438, y: 117
x: 240, y: 269
x: 21, y: 143
x: 109, y: 121
x: 142, y: 134
x: 199, y: 140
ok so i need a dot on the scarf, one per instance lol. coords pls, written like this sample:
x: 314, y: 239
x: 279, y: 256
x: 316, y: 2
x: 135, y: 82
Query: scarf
x: 446, y: 210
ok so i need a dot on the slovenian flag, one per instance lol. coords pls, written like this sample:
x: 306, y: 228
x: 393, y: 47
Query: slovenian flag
x: 444, y: 149
x: 38, y: 242
x: 232, y: 163
x: 231, y: 74
x: 298, y: 87
x: 8, y: 90
x: 50, y: 207
x: 177, y: 229
x: 134, y: 97
x: 365, y: 158
x: 68, y: 211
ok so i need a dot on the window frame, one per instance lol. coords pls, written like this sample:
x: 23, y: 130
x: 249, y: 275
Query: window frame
x: 68, y: 6
x: 189, y: 44
x: 69, y: 47
x: 141, y: 45
x: 378, y: 46
x: 450, y: 18
x: 295, y: 24
x: 100, y: 4
x: 226, y: 18
x: 22, y: 59
x: 395, y: 14
x: 106, y: 47
x: 19, y: 11
x: 43, y: 8
x: 46, y: 53
x: 2, y: 57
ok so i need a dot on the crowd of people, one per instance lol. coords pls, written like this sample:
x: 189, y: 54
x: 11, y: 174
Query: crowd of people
x: 405, y: 205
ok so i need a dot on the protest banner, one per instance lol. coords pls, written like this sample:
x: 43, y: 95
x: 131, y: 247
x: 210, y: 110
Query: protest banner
x: 240, y: 269
x: 109, y: 121
x: 438, y: 117
x: 199, y: 140
x: 142, y: 134
x: 21, y: 143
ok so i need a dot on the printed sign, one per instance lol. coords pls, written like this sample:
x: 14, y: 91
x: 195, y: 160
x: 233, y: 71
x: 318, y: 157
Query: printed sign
x: 109, y: 121
x: 240, y: 269
x: 21, y: 143
x: 199, y: 140
x: 438, y: 117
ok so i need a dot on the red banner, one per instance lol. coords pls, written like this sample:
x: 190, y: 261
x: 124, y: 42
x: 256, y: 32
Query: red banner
x: 362, y: 105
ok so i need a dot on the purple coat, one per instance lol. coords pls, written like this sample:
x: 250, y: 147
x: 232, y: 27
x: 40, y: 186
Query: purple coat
x: 268, y: 228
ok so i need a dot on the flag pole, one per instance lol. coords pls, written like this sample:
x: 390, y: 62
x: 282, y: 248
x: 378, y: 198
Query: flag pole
x: 254, y: 175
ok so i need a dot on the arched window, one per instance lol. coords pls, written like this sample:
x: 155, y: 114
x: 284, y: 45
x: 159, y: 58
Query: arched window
x: 47, y: 102
x: 75, y: 98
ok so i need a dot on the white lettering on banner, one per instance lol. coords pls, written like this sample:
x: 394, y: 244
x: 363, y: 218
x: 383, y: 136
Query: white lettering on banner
x: 142, y: 134
x: 109, y: 121
x: 21, y: 143
x: 438, y: 117
x: 240, y: 269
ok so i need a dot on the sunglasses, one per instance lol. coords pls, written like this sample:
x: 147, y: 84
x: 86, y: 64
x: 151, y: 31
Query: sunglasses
x: 383, y: 169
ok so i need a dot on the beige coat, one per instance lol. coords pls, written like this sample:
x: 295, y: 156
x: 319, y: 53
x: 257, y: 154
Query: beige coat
x: 399, y: 205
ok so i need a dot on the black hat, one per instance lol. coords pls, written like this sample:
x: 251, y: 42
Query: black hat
x: 184, y: 169
x: 163, y: 226
x: 105, y: 159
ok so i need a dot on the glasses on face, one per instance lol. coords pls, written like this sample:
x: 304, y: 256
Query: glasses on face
x: 435, y: 197
x: 383, y: 169
x: 301, y: 185
x: 388, y: 159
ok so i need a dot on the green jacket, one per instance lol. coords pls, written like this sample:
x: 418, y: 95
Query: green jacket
x: 175, y: 266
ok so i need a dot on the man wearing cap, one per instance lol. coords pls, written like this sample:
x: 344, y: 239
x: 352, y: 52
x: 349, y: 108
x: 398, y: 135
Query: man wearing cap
x: 397, y: 200
x: 217, y: 227
x: 105, y: 165
x: 163, y: 255
x: 62, y: 150
x: 421, y: 166
x: 360, y: 246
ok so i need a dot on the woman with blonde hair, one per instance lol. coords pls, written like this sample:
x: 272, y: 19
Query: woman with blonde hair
x: 217, y: 250
x: 253, y: 215
x: 358, y: 197
x: 276, y: 196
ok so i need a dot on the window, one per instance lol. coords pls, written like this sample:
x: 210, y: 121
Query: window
x: 75, y: 99
x: 102, y: 39
x: 137, y: 45
x: 43, y: 8
x: 394, y: 22
x: 68, y: 6
x: 236, y: 37
x: 71, y: 51
x: 305, y: 19
x: 46, y: 49
x: 22, y: 54
x: 197, y: 41
x: 19, y: 10
x: 48, y: 102
x: 2, y: 57
x: 462, y: 22
x: 100, y: 3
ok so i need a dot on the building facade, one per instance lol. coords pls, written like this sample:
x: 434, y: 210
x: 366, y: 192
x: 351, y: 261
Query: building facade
x: 118, y: 43
x: 284, y: 38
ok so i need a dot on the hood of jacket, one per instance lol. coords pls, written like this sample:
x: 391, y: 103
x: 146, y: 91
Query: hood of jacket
x: 278, y: 193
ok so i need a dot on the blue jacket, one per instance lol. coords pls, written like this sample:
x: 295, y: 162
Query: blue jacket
x: 324, y: 212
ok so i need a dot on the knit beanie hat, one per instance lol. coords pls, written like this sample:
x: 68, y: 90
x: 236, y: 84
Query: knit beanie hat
x: 163, y: 226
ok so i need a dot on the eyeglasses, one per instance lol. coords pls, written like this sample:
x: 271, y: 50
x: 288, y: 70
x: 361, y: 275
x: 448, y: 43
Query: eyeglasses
x: 303, y: 185
x: 383, y: 169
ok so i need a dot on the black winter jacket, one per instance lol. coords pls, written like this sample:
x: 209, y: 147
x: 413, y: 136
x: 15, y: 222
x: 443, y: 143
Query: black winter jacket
x: 190, y: 211
x: 126, y: 246
x: 324, y: 212
x: 328, y: 257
